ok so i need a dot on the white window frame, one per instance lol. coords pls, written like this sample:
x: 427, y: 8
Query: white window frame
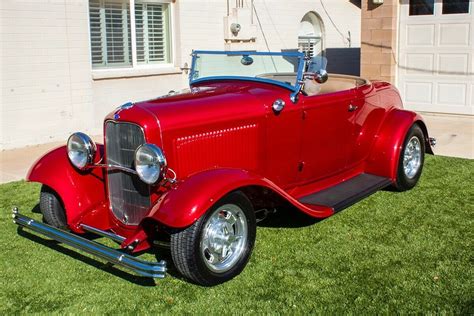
x: 136, y: 69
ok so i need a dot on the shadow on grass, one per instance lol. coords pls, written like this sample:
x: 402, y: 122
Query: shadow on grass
x: 286, y: 217
x: 165, y: 254
x: 468, y: 309
x: 36, y: 209
x: 107, y: 267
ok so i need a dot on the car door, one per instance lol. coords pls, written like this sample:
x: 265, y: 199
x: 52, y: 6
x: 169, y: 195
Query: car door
x: 327, y: 133
x: 283, y: 142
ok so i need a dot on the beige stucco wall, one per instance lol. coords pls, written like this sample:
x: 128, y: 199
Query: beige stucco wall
x: 48, y: 89
x: 45, y: 71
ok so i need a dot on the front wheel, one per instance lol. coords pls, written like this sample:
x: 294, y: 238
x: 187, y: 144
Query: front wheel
x: 216, y: 247
x: 412, y: 157
x: 52, y: 208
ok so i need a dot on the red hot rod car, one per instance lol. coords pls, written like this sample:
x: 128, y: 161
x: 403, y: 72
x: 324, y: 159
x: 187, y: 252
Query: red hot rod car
x: 196, y: 169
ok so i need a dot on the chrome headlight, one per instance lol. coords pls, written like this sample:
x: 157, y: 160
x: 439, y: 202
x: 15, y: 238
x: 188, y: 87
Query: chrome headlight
x: 150, y: 163
x: 80, y: 150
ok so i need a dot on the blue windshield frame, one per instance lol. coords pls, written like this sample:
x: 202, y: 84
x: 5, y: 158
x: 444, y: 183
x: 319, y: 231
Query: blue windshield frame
x: 294, y: 88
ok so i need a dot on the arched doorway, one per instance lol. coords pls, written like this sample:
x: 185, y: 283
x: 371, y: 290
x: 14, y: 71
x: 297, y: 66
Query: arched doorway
x: 311, y: 36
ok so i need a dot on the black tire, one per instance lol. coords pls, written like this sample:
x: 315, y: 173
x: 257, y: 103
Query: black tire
x: 186, y: 244
x: 52, y: 208
x: 406, y: 182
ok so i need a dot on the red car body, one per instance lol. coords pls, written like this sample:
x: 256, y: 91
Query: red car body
x: 223, y: 135
x: 194, y: 170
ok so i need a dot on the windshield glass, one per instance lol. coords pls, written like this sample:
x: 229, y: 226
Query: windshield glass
x: 284, y: 69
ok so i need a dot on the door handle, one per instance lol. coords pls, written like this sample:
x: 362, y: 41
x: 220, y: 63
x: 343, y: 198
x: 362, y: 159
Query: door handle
x: 352, y: 107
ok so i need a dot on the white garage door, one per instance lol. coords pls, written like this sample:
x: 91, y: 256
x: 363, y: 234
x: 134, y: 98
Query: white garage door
x: 436, y: 55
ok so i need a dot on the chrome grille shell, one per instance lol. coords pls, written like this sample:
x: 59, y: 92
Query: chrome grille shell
x: 129, y: 197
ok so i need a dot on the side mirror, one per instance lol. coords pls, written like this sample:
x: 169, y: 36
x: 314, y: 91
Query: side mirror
x: 321, y: 76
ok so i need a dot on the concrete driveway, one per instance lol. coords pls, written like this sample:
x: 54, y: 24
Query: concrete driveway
x: 455, y: 135
x: 15, y: 163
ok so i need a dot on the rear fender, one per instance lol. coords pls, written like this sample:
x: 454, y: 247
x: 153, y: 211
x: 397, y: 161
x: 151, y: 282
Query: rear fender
x: 79, y: 191
x: 191, y: 198
x: 384, y: 157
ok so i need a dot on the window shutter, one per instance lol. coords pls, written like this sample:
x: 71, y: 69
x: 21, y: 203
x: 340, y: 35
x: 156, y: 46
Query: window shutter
x: 152, y: 33
x: 117, y: 24
x: 110, y: 32
x: 156, y: 33
x: 96, y: 32
x: 309, y: 45
x: 140, y: 32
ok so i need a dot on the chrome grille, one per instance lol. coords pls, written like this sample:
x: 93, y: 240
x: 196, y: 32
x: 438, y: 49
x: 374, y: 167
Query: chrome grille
x: 129, y: 196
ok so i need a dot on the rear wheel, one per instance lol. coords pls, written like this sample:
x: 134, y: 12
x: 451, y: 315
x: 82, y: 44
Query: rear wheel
x: 412, y: 157
x: 52, y: 208
x: 216, y: 247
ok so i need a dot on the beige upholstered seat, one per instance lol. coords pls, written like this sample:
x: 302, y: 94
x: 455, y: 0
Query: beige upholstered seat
x: 311, y: 87
x: 335, y: 83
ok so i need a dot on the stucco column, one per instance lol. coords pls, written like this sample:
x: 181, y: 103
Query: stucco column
x: 379, y: 40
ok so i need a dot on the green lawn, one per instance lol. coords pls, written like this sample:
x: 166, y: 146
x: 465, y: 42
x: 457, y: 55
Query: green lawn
x: 394, y: 252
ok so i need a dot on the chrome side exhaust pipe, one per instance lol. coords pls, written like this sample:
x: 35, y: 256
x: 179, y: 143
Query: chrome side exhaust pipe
x: 139, y: 266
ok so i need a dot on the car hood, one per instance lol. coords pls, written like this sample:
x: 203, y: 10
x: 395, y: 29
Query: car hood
x: 203, y: 104
x: 207, y: 104
x: 200, y: 114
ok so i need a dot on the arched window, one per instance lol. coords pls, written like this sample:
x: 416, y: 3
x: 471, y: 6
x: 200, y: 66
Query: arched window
x: 311, y: 35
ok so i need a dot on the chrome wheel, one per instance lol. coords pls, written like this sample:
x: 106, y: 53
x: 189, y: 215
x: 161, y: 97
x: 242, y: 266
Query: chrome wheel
x: 412, y: 157
x: 224, y: 238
